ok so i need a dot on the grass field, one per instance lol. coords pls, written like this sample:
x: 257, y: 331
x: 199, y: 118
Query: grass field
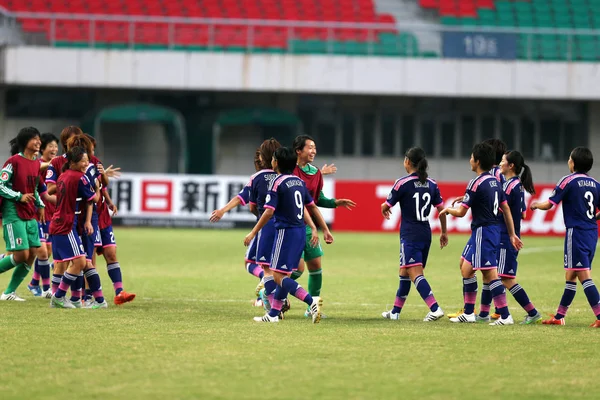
x: 189, y: 334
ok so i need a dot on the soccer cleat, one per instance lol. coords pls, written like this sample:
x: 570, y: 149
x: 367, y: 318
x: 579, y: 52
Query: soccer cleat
x: 495, y: 316
x: 285, y: 307
x: 596, y: 324
x: 94, y: 305
x: 464, y: 318
x: 391, y: 315
x: 35, y: 290
x: 482, y: 319
x: 62, y: 302
x: 507, y: 321
x: 257, y: 302
x: 261, y: 285
x: 11, y: 297
x: 266, y: 318
x: 459, y: 312
x: 553, y: 321
x: 124, y: 297
x: 315, y: 309
x: 531, y: 320
x: 77, y: 304
x: 265, y: 300
x: 87, y: 302
x: 434, y: 315
x: 47, y: 294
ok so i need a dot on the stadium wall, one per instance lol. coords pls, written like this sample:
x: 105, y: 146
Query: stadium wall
x: 300, y: 74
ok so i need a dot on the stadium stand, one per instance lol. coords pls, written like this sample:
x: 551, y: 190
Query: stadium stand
x: 231, y: 37
x: 565, y: 14
x: 570, y: 14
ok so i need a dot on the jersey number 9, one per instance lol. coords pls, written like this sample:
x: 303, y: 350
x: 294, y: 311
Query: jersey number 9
x: 299, y: 204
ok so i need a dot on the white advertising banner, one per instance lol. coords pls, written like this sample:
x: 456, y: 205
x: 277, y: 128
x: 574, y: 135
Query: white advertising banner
x: 184, y: 200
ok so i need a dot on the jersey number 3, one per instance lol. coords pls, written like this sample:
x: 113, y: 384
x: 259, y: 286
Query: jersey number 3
x: 589, y: 196
x: 422, y: 212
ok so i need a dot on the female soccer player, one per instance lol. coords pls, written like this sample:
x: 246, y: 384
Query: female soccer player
x: 580, y: 194
x: 286, y: 200
x: 66, y: 244
x: 417, y: 194
x: 511, y: 166
x: 20, y: 206
x: 41, y: 269
x: 306, y: 150
x: 484, y: 196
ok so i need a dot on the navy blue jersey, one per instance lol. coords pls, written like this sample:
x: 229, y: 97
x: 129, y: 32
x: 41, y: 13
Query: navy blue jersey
x: 287, y: 196
x: 416, y: 200
x: 515, y: 197
x: 484, y: 196
x: 500, y: 178
x: 92, y: 174
x: 581, y: 197
x: 259, y: 187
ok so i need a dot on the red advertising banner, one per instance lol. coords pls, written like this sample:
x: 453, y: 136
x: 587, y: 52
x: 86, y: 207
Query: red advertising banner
x: 370, y: 195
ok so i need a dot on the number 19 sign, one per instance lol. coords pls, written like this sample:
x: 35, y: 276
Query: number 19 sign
x: 481, y: 45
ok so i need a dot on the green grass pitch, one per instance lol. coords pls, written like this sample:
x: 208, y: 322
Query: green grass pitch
x: 190, y: 335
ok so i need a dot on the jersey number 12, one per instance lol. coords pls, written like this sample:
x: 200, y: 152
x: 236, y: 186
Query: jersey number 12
x: 422, y: 212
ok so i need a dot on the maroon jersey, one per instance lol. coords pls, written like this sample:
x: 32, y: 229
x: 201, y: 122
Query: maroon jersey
x: 104, y: 218
x: 314, y: 183
x: 55, y: 168
x: 73, y: 190
x: 22, y: 175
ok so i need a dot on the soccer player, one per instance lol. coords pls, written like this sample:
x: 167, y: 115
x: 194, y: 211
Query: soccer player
x: 306, y: 150
x: 20, y: 204
x: 66, y: 245
x: 511, y: 166
x: 580, y: 195
x: 286, y: 201
x: 104, y: 239
x: 417, y: 194
x: 42, y: 266
x: 485, y: 197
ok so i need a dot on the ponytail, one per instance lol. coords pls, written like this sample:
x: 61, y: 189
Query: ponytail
x: 516, y: 158
x: 527, y: 179
x: 422, y: 166
x: 416, y: 156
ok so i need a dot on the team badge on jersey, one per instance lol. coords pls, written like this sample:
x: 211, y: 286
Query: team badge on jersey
x: 19, y: 241
x: 466, y: 199
x: 48, y: 174
x: 4, y: 176
x: 268, y: 198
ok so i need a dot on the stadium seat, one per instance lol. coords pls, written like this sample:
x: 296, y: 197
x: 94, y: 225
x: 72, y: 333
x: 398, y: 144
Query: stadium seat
x: 560, y: 14
x: 110, y: 34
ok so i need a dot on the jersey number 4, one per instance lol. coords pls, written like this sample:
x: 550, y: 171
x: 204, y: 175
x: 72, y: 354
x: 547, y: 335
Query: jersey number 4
x: 422, y: 212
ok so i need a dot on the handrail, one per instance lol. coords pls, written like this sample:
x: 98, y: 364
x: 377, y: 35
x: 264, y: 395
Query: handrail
x: 298, y: 24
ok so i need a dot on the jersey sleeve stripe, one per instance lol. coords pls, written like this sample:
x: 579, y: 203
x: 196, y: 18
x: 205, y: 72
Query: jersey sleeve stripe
x: 388, y: 204
x: 512, y: 186
x: 480, y: 180
x: 402, y: 181
x: 464, y: 205
x: 312, y: 203
x: 241, y: 200
x: 271, y: 207
x: 570, y: 178
x: 280, y: 180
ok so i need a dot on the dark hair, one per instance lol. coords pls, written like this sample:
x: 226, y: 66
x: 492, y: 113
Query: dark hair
x: 300, y: 142
x: 416, y: 156
x: 80, y: 141
x: 499, y: 148
x: 19, y: 143
x: 484, y: 153
x: 74, y: 155
x: 257, y: 160
x: 516, y: 158
x: 266, y: 150
x: 47, y: 138
x: 583, y: 159
x: 66, y: 133
x: 286, y: 160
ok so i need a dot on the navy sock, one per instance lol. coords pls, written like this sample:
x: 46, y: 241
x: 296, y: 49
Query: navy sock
x: 591, y: 292
x: 77, y: 288
x: 87, y: 294
x: 278, y: 298
x: 95, y: 286
x: 296, y: 290
x: 567, y: 299
x: 470, y: 294
x: 114, y: 273
x: 270, y: 285
x: 401, y: 294
x: 36, y: 276
x: 499, y: 298
x: 44, y: 269
x: 66, y: 282
x: 255, y: 269
x: 521, y: 297
x: 486, y: 300
x: 426, y: 293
